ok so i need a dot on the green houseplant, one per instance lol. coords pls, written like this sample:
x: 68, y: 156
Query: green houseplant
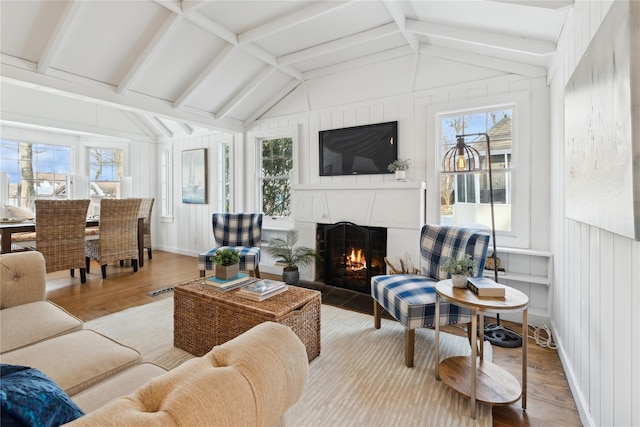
x: 460, y: 269
x: 400, y: 167
x: 227, y: 263
x: 286, y: 251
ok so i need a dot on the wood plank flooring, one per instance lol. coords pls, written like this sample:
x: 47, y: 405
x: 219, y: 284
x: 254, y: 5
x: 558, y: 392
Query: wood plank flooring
x: 549, y: 400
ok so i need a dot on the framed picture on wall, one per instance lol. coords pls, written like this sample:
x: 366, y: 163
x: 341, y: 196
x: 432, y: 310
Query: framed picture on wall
x: 194, y: 176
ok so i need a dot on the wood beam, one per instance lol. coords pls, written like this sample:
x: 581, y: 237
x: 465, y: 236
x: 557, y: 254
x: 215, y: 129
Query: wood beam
x: 58, y: 34
x: 482, y: 38
x: 484, y: 61
x: 158, y: 40
x: 401, y: 21
x: 291, y: 20
x: 204, y: 74
x: 149, y: 127
x: 342, y: 43
x: 282, y: 93
x: 245, y: 92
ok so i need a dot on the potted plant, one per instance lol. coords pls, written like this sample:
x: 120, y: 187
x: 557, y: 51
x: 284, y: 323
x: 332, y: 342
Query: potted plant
x: 460, y: 269
x: 400, y: 167
x: 286, y: 251
x: 227, y: 263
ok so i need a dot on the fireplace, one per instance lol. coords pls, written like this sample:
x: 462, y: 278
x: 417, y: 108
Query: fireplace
x: 352, y: 254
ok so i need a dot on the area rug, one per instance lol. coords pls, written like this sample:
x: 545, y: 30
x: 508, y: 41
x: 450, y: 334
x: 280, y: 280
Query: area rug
x: 359, y: 379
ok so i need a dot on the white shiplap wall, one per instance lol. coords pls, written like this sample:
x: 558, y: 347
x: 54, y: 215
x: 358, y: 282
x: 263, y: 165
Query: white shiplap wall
x: 597, y: 280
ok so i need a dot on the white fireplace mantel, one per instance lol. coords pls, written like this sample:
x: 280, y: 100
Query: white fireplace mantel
x: 395, y: 204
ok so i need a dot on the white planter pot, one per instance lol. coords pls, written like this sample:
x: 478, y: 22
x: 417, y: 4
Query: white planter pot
x: 459, y: 280
x: 400, y: 175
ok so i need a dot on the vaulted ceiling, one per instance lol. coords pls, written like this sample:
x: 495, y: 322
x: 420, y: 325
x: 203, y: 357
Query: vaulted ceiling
x: 223, y: 64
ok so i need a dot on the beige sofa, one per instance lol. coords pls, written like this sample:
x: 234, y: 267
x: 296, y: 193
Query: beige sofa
x: 248, y: 381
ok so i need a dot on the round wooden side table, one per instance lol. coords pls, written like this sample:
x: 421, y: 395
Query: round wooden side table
x: 472, y: 376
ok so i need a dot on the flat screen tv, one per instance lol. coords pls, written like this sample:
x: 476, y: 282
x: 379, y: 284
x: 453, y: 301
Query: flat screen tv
x: 358, y: 150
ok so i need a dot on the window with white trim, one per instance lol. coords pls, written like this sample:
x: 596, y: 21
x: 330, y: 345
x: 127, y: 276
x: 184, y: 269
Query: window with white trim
x: 166, y: 189
x: 274, y: 176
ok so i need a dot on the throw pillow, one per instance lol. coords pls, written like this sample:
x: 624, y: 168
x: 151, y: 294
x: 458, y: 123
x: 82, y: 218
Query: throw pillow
x: 30, y: 398
x: 18, y: 212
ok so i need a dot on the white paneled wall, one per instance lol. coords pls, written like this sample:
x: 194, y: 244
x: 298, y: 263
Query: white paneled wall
x: 597, y: 280
x: 416, y: 140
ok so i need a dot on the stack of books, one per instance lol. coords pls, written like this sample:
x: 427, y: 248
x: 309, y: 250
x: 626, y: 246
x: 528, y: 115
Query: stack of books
x: 260, y: 290
x: 484, y: 287
x: 240, y: 280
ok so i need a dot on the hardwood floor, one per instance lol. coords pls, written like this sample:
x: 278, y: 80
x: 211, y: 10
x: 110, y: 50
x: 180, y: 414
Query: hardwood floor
x: 549, y: 399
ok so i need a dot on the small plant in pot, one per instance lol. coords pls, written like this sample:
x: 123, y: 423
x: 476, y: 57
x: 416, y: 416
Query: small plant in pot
x: 400, y: 167
x: 460, y: 269
x: 227, y: 263
x: 286, y: 250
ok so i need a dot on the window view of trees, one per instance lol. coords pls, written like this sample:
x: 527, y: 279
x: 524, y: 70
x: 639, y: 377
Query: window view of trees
x: 34, y: 171
x: 106, y: 167
x: 465, y: 198
x: 275, y: 176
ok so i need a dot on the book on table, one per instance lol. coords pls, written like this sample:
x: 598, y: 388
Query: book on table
x: 262, y: 289
x: 241, y: 279
x: 484, y: 287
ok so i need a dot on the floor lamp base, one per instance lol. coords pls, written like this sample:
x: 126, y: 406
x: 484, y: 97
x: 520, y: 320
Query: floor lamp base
x: 498, y: 335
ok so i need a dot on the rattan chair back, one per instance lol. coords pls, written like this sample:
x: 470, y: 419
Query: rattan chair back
x: 60, y: 226
x: 118, y: 238
x: 146, y: 207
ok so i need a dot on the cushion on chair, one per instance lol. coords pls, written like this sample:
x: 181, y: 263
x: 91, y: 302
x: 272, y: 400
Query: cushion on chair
x: 411, y: 298
x: 249, y: 257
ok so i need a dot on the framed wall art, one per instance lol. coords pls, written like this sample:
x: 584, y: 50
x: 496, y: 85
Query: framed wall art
x: 194, y: 176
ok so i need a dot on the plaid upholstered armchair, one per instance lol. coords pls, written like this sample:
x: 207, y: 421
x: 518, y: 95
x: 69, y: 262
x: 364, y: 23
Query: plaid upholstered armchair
x: 242, y: 232
x: 410, y: 298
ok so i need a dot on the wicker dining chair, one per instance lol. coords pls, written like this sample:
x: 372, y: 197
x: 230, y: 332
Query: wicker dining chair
x: 59, y: 234
x: 146, y: 207
x: 118, y: 237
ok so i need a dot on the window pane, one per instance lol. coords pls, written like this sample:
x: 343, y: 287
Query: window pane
x: 275, y: 171
x: 106, y: 167
x: 34, y: 171
x: 471, y: 192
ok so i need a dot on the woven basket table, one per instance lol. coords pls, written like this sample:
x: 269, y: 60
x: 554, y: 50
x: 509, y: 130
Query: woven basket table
x: 204, y: 317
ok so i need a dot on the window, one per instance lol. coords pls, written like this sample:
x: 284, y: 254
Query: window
x: 34, y: 171
x: 166, y: 193
x: 106, y: 167
x: 276, y: 164
x: 466, y: 197
x: 224, y: 177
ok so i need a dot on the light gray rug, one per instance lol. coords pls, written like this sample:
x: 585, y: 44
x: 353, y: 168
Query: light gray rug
x: 359, y: 379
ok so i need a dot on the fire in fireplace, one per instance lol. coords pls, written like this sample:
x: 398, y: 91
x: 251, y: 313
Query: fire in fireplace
x: 352, y: 254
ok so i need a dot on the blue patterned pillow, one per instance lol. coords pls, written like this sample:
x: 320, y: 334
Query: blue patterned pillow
x: 30, y: 398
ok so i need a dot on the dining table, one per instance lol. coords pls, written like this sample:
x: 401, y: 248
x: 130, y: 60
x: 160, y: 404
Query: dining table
x: 8, y: 228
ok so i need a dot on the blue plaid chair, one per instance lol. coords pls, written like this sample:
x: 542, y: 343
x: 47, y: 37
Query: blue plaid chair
x: 242, y: 232
x: 410, y: 298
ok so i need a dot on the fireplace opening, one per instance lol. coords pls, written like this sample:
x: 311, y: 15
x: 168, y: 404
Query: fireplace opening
x: 352, y: 254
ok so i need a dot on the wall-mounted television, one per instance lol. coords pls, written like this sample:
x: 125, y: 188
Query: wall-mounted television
x: 358, y: 150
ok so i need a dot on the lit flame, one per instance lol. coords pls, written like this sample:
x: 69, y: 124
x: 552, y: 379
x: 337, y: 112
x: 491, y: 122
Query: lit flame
x: 356, y: 260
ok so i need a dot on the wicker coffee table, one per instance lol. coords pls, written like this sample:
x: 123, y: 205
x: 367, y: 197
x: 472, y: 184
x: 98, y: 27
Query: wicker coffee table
x: 204, y: 317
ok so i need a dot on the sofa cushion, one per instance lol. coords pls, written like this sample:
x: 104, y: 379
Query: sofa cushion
x: 121, y: 384
x: 77, y: 360
x: 29, y: 397
x: 34, y: 322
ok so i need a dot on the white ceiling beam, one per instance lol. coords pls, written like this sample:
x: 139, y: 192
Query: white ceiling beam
x: 546, y: 4
x: 173, y: 5
x: 282, y: 93
x: 247, y: 90
x: 342, y: 43
x: 159, y: 39
x: 75, y: 87
x: 213, y: 27
x: 401, y: 21
x: 359, y: 62
x: 168, y: 132
x: 193, y: 86
x: 285, y: 22
x: 149, y: 127
x: 482, y: 38
x: 185, y: 127
x: 484, y: 61
x: 58, y: 34
x: 190, y: 6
